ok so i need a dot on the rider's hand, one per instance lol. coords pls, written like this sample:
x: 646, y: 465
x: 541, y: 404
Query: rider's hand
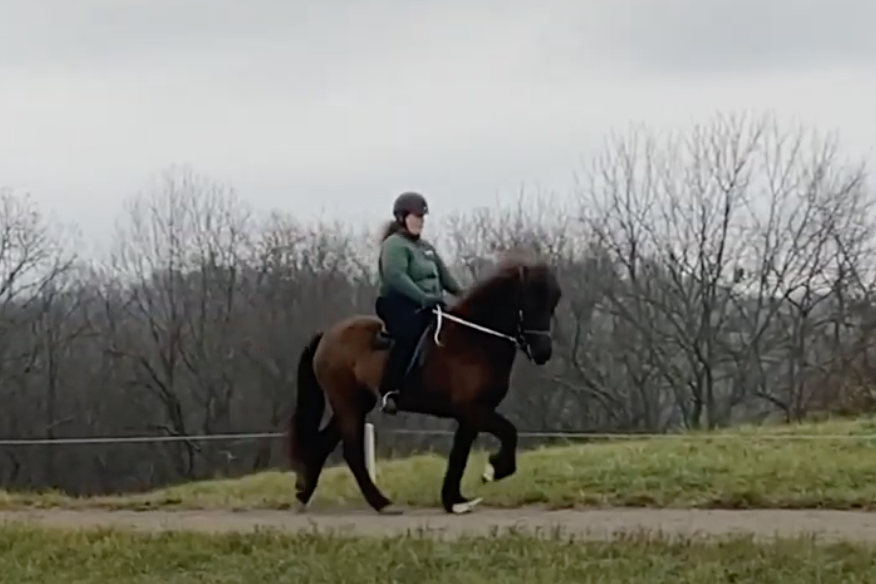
x: 436, y: 302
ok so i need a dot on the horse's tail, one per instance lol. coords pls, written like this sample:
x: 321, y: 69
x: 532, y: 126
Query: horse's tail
x: 309, y: 404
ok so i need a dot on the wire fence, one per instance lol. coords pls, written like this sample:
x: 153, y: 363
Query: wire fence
x: 568, y: 436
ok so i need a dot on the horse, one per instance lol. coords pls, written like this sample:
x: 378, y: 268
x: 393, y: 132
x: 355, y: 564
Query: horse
x: 464, y: 369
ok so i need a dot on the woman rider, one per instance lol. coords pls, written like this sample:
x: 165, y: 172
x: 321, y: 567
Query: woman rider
x: 413, y: 278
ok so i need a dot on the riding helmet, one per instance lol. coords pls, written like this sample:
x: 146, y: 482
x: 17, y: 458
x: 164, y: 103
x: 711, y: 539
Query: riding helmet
x: 410, y: 202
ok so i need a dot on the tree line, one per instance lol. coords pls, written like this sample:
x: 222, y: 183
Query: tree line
x: 711, y: 277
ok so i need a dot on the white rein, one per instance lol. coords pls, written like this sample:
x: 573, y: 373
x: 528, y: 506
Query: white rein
x: 441, y: 315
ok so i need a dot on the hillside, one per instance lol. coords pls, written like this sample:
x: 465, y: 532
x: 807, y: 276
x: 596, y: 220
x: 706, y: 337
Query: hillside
x: 825, y: 465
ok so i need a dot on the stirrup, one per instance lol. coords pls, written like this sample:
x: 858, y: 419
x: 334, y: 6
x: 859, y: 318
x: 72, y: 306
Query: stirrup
x: 387, y: 404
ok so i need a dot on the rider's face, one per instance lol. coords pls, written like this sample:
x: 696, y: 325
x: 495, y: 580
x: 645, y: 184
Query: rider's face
x: 414, y: 223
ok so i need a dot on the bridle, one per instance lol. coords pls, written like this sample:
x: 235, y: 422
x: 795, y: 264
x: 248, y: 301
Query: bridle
x: 520, y: 338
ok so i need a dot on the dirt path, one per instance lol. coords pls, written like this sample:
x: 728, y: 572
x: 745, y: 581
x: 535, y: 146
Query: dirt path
x: 601, y: 523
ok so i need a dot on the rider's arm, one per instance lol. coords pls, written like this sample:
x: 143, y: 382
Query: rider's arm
x: 394, y: 261
x: 447, y: 280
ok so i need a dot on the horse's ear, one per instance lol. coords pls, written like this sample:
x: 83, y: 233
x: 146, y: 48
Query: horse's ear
x: 523, y: 272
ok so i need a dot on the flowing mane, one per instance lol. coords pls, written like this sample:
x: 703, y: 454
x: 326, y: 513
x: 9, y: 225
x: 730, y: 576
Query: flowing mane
x: 488, y: 288
x: 489, y: 291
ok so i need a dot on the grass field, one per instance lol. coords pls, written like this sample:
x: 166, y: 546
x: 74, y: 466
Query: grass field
x: 31, y: 556
x: 743, y: 468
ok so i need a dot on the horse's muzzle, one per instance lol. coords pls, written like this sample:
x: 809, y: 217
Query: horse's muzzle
x: 541, y: 349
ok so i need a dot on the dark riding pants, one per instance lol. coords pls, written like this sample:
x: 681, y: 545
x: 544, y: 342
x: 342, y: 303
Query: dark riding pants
x: 406, y: 322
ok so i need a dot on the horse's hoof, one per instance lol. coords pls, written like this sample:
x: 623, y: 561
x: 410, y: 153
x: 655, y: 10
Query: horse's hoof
x: 391, y: 510
x: 300, y: 507
x: 465, y: 506
x: 489, y: 474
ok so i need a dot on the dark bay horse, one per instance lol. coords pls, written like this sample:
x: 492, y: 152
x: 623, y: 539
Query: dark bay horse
x: 464, y: 376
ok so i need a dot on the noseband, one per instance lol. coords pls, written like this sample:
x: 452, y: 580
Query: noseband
x: 521, y: 339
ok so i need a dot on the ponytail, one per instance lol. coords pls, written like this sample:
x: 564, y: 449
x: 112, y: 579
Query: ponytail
x: 390, y: 228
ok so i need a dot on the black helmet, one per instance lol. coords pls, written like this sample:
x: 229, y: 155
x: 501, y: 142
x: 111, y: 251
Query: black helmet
x: 410, y: 202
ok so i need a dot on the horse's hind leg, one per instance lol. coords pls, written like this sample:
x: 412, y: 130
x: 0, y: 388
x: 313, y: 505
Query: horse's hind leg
x: 308, y: 475
x: 352, y: 434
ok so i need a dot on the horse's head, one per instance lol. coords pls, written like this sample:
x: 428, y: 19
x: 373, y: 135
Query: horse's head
x: 538, y: 293
x: 519, y: 300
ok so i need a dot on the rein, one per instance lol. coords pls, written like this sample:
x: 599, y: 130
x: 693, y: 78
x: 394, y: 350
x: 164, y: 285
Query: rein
x: 519, y: 341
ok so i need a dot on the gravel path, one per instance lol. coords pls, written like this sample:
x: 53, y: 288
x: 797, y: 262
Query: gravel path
x: 854, y: 525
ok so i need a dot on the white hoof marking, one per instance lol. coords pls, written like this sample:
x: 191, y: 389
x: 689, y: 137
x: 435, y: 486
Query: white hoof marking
x: 463, y: 508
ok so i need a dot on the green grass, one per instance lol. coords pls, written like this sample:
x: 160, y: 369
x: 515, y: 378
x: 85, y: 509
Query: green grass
x: 37, y: 556
x: 743, y: 468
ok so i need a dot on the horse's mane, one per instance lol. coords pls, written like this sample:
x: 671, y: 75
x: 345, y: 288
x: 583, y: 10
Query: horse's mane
x: 504, y: 275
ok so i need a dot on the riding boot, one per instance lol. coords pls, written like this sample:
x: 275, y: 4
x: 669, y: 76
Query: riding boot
x: 391, y: 381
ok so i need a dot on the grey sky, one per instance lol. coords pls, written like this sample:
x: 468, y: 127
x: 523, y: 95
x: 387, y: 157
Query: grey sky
x: 312, y: 106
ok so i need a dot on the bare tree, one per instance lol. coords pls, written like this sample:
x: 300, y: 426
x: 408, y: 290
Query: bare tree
x: 302, y: 279
x: 178, y: 258
x: 715, y: 234
x: 32, y: 262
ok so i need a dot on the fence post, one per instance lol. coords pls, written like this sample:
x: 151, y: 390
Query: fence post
x: 370, y: 455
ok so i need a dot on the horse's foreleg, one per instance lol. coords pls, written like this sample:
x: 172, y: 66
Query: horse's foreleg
x: 451, y: 496
x: 501, y: 464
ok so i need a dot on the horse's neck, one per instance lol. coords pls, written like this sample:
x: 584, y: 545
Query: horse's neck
x: 491, y: 349
x: 492, y: 311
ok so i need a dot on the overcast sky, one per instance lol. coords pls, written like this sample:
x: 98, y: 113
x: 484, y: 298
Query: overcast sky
x: 312, y: 106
